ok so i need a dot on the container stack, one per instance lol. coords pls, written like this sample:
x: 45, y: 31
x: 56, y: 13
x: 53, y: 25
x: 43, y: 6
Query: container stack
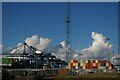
x: 96, y: 65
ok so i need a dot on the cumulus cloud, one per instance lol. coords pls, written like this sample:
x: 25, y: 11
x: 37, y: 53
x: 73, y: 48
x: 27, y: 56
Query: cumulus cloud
x: 61, y: 53
x: 35, y: 41
x: 44, y: 42
x: 20, y: 47
x: 100, y: 48
x: 32, y: 41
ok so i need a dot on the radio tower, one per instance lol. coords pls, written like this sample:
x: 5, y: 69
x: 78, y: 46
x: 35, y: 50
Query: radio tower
x: 68, y: 34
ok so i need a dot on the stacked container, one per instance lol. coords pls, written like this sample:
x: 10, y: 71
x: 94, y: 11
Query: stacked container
x: 89, y: 65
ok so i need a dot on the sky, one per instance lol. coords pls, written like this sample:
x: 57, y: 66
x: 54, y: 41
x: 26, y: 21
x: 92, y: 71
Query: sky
x: 0, y: 22
x: 60, y: 0
x: 47, y: 19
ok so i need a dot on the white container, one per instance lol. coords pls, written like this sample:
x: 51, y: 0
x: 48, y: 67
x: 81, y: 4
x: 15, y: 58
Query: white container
x: 110, y: 67
x: 104, y: 70
x: 84, y: 64
x: 107, y: 64
x: 76, y: 67
x: 83, y: 67
x: 71, y: 61
x: 94, y: 64
x: 86, y: 61
x: 74, y: 64
x: 80, y: 61
x: 81, y: 64
x: 77, y: 71
x: 69, y: 67
x: 99, y: 67
x: 91, y: 61
x: 66, y: 67
x: 69, y: 64
x: 96, y: 61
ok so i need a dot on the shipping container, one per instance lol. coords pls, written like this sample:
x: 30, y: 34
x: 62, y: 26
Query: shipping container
x: 96, y: 61
x: 89, y: 61
x: 75, y: 61
x: 107, y: 61
x: 101, y: 65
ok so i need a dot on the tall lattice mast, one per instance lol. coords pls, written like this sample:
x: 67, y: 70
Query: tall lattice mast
x: 68, y: 34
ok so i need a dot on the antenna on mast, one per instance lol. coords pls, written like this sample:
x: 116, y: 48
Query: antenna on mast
x: 68, y: 36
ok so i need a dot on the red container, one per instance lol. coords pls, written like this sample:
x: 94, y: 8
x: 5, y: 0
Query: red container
x: 91, y: 66
x: 75, y: 61
x: 110, y: 64
x: 15, y: 60
x: 102, y: 63
x: 107, y: 67
x: 99, y: 61
x: 73, y: 67
x: 88, y: 61
x: 81, y: 67
x: 94, y: 67
x: 87, y: 65
x: 93, y: 61
x: 113, y: 67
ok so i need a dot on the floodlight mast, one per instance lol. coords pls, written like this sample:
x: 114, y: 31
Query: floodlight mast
x: 68, y: 34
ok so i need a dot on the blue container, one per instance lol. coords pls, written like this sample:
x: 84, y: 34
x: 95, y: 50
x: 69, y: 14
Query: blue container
x: 104, y: 63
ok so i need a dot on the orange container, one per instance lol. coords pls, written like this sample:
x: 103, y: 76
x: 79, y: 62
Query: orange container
x: 107, y: 61
x: 96, y: 67
x: 71, y: 64
x: 96, y: 64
